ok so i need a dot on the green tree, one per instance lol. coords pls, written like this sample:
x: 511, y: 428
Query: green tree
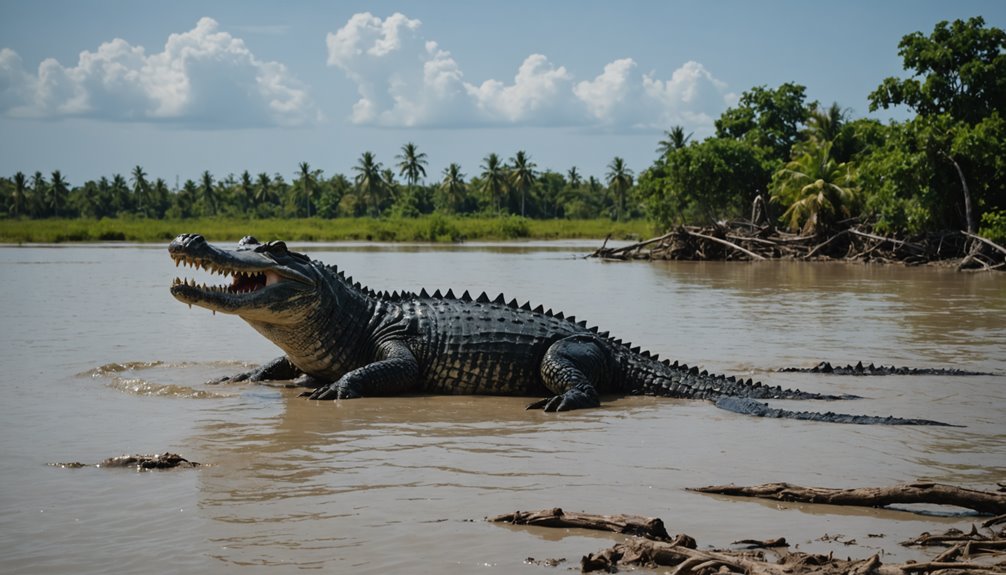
x: 306, y: 185
x: 674, y: 139
x: 768, y: 119
x: 369, y: 181
x: 19, y: 193
x: 522, y: 175
x: 39, y: 193
x: 619, y: 182
x: 816, y: 191
x: 453, y: 188
x: 209, y: 193
x: 119, y: 194
x: 141, y: 189
x: 246, y: 197
x: 411, y: 164
x: 160, y: 198
x: 705, y: 182
x: 59, y: 189
x: 494, y: 179
x: 958, y: 92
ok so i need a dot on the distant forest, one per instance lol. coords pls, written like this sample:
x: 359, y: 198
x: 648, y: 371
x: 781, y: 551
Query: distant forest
x: 806, y: 166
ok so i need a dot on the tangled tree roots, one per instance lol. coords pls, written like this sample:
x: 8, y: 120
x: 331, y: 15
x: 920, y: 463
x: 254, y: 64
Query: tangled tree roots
x: 744, y: 241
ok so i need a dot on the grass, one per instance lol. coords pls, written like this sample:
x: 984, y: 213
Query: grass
x: 432, y: 228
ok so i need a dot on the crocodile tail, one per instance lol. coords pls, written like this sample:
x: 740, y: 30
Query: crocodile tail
x: 665, y: 379
x: 648, y: 377
x: 749, y: 406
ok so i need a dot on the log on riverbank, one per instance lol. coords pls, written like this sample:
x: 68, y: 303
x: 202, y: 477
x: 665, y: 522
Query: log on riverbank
x: 986, y: 502
x: 973, y: 552
x: 742, y: 241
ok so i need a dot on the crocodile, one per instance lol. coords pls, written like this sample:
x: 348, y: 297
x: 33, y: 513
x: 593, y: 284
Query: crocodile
x: 344, y: 340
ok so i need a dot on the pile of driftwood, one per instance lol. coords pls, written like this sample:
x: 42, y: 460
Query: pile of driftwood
x: 978, y: 551
x: 745, y: 241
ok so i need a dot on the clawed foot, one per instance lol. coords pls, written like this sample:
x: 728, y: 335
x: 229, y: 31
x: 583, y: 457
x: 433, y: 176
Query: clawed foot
x: 335, y: 390
x: 243, y: 376
x: 575, y: 398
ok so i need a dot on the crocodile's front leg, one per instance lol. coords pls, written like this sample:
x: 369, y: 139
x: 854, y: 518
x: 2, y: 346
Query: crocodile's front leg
x: 279, y: 368
x: 572, y: 369
x: 395, y: 371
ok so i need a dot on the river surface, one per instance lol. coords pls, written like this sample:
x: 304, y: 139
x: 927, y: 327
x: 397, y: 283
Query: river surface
x: 99, y: 360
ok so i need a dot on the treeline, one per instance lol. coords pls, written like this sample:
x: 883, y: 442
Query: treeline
x: 775, y: 158
x: 500, y: 188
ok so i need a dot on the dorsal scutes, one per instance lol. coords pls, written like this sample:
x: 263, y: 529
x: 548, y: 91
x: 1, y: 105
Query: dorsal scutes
x: 483, y: 298
x: 513, y: 304
x: 539, y: 309
x: 500, y: 299
x: 466, y: 296
x: 449, y: 294
x: 526, y: 306
x: 423, y: 294
x: 438, y: 295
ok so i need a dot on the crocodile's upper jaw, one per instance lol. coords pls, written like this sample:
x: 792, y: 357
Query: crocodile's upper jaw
x: 266, y: 282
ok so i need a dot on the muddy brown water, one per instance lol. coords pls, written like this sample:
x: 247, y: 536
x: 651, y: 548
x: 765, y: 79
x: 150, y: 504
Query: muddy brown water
x: 99, y: 360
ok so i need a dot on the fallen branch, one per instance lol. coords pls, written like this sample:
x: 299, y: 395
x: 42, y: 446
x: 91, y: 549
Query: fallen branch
x: 985, y: 241
x: 649, y: 527
x: 749, y: 253
x: 935, y: 493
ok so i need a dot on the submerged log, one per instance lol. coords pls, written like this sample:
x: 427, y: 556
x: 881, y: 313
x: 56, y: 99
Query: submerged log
x: 650, y: 527
x: 986, y: 502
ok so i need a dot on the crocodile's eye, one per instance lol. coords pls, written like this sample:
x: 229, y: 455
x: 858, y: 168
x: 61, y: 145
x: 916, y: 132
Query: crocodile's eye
x: 278, y: 247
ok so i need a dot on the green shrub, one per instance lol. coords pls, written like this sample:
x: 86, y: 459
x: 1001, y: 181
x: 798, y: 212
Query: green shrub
x: 994, y: 226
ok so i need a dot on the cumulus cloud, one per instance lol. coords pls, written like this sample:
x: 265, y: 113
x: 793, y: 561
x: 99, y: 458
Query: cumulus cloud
x: 203, y: 77
x: 403, y: 79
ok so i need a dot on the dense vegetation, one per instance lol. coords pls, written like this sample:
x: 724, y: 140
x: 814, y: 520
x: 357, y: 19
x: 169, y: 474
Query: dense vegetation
x: 774, y: 157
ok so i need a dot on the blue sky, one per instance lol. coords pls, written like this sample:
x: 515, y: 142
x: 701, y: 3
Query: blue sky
x: 95, y: 88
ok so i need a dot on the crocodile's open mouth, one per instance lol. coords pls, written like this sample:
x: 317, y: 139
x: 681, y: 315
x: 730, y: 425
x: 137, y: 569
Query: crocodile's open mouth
x: 243, y: 281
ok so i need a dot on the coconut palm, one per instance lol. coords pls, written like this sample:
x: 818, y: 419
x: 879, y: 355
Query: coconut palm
x: 453, y: 187
x: 369, y: 182
x: 263, y: 189
x: 59, y: 189
x: 522, y: 175
x: 817, y: 191
x: 674, y: 139
x: 619, y: 182
x: 209, y: 192
x: 247, y: 191
x: 307, y: 184
x: 141, y: 188
x: 574, y: 178
x: 494, y: 179
x: 412, y: 164
x: 825, y: 125
x: 39, y: 191
x: 18, y: 194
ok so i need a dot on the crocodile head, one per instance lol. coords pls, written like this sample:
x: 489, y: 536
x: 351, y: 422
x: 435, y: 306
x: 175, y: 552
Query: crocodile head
x: 265, y: 283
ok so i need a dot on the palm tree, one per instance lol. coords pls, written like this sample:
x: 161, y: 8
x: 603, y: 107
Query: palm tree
x: 368, y: 180
x: 58, y: 191
x: 453, y: 187
x: 119, y: 193
x: 826, y: 125
x: 412, y: 164
x: 674, y: 139
x: 263, y: 189
x: 574, y: 178
x: 209, y: 192
x: 522, y: 175
x: 494, y: 179
x: 141, y: 189
x: 160, y: 198
x: 39, y: 191
x: 247, y: 191
x: 308, y: 184
x: 817, y: 191
x: 18, y: 194
x: 619, y: 181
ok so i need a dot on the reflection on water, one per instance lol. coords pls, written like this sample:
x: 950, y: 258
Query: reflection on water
x: 400, y: 484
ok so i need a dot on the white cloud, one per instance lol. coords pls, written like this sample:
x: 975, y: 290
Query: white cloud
x: 203, y: 77
x: 402, y: 79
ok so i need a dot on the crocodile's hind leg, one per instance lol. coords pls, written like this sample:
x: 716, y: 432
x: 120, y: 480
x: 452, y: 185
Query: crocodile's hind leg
x: 572, y: 369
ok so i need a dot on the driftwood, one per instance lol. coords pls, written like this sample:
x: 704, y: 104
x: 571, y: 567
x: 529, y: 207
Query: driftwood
x: 747, y: 241
x: 986, y: 502
x: 649, y: 527
x: 684, y: 556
